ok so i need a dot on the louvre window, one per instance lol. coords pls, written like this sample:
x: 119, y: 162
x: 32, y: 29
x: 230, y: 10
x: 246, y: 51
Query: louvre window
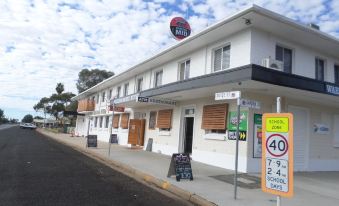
x: 124, y: 121
x: 107, y: 121
x: 214, y: 117
x: 284, y: 55
x: 126, y: 89
x: 158, y: 78
x: 164, y: 119
x: 152, y: 120
x: 139, y: 84
x: 221, y: 58
x: 336, y: 74
x: 184, y: 70
x: 319, y: 69
x: 116, y: 118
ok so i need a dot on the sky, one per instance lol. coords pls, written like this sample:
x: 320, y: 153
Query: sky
x: 43, y: 42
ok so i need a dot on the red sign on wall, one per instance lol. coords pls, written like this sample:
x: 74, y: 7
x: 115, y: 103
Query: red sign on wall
x: 180, y: 28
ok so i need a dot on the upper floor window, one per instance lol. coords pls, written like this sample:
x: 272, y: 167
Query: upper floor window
x: 101, y: 118
x: 319, y: 69
x: 107, y: 121
x: 336, y: 74
x: 110, y: 94
x: 139, y: 84
x: 118, y: 91
x: 222, y: 58
x: 93, y: 98
x: 158, y: 78
x: 126, y: 89
x: 184, y: 70
x: 98, y: 99
x: 103, y: 96
x: 285, y: 56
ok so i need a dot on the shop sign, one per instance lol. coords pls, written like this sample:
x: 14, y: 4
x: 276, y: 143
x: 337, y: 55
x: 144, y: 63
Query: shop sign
x: 180, y: 28
x: 250, y: 103
x: 257, y: 136
x: 232, y: 121
x: 155, y: 100
x: 332, y: 89
x: 277, y: 154
x: 321, y: 129
x: 125, y: 99
x: 242, y: 135
x: 227, y: 95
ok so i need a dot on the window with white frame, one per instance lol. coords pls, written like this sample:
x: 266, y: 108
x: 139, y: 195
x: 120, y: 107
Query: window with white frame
x: 184, y: 70
x: 284, y: 55
x: 98, y: 99
x: 158, y: 78
x: 336, y: 74
x: 139, y: 84
x: 106, y: 121
x: 95, y: 121
x: 101, y: 118
x: 221, y: 58
x: 110, y: 94
x: 126, y: 89
x: 103, y: 96
x: 118, y: 91
x: 319, y: 69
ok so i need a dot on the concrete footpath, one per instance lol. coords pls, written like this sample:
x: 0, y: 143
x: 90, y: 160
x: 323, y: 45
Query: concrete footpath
x: 211, y: 185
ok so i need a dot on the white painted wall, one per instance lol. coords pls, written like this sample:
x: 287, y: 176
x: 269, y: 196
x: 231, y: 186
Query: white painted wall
x: 263, y: 46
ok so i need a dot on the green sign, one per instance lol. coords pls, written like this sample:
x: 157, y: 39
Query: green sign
x: 258, y: 119
x: 232, y: 121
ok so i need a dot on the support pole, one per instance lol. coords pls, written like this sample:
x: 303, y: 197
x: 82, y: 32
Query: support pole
x: 278, y: 111
x: 237, y: 151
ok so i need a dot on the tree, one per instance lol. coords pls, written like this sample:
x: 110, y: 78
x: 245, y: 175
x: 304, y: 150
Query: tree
x: 56, y: 103
x: 28, y: 118
x: 89, y: 78
x: 38, y: 117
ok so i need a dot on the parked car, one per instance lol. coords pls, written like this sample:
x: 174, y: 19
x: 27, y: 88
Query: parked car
x: 27, y: 126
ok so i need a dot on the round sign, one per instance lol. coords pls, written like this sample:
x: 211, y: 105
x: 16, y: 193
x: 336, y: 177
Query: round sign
x: 180, y: 28
x: 276, y: 145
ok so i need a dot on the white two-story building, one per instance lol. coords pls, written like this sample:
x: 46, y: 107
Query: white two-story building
x: 170, y: 97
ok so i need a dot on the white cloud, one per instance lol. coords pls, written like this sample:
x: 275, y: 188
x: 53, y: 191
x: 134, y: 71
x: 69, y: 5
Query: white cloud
x: 46, y: 42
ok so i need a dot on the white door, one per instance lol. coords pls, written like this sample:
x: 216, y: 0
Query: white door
x: 301, y: 122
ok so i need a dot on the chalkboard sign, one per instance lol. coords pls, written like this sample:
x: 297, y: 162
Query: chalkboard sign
x: 92, y: 141
x: 180, y: 166
x: 114, y: 139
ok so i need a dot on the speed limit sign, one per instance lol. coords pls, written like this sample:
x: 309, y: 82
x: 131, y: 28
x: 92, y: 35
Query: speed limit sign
x: 277, y: 154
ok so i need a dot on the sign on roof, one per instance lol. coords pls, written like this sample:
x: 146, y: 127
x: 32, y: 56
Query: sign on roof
x: 180, y: 28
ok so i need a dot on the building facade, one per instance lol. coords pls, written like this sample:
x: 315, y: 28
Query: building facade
x: 170, y: 97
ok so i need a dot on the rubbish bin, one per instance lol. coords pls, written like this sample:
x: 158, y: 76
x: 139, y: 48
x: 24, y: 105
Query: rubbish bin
x: 65, y: 128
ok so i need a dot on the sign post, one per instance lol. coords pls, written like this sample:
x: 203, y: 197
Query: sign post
x: 277, y: 154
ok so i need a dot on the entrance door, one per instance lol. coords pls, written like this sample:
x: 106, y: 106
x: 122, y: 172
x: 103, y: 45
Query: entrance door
x: 188, y: 138
x: 136, y: 132
x: 300, y: 116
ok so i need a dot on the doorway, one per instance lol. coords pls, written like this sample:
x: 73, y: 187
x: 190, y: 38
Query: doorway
x: 136, y: 132
x: 188, y: 134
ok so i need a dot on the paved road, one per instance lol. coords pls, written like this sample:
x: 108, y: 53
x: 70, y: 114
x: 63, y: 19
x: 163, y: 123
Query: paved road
x: 35, y: 170
x: 6, y: 126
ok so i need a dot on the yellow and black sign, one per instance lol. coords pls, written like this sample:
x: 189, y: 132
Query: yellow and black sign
x: 242, y: 135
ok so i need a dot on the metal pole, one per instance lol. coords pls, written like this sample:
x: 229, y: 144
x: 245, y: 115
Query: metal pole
x: 237, y: 151
x: 89, y: 123
x: 111, y: 129
x: 278, y: 111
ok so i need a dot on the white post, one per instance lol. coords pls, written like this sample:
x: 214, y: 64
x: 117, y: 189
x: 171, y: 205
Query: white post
x: 237, y: 150
x: 278, y: 111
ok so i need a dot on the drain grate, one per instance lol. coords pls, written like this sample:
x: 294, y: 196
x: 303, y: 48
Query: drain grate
x: 244, y: 180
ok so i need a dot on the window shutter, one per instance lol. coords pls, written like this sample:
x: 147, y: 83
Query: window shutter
x: 164, y: 119
x: 124, y: 121
x: 116, y: 121
x: 226, y: 57
x: 217, y: 59
x: 214, y: 116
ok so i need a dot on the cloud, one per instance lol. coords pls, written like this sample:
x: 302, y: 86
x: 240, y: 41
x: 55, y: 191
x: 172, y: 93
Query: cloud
x: 46, y: 42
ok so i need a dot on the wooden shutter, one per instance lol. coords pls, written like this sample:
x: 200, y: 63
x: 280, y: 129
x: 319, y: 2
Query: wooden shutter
x: 124, y: 120
x: 214, y: 116
x: 164, y: 119
x: 116, y: 121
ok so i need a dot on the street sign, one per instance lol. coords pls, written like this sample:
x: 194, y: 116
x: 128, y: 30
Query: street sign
x: 227, y: 95
x: 232, y: 135
x: 277, y: 154
x: 250, y: 103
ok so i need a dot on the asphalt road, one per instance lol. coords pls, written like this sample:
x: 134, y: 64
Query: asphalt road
x: 35, y: 170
